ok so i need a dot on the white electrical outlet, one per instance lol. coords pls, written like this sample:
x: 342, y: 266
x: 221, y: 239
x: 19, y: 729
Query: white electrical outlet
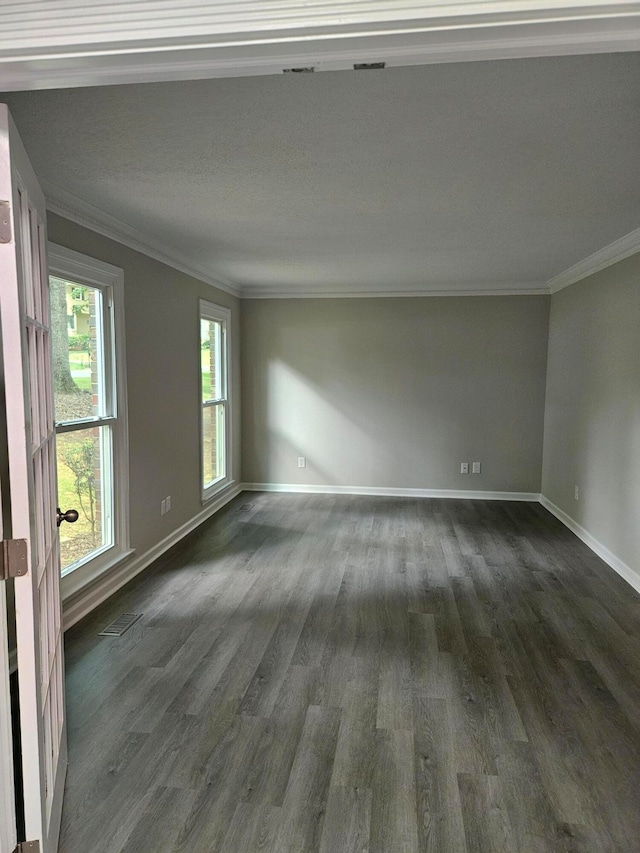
x: 163, y: 507
x: 576, y: 493
x: 464, y: 467
x: 302, y: 461
x: 167, y: 503
x: 475, y: 469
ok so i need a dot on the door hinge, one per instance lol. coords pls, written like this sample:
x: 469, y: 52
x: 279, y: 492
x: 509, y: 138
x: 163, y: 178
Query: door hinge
x: 5, y: 222
x: 28, y: 847
x: 13, y: 559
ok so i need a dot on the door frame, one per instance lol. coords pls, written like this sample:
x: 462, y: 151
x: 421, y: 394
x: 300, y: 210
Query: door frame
x: 100, y: 46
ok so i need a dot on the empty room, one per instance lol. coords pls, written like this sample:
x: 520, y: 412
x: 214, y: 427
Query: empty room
x: 320, y: 435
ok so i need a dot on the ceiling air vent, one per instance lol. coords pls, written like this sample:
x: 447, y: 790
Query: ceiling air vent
x: 368, y: 66
x: 308, y: 70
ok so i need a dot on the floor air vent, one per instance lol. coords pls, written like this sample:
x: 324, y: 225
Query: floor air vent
x: 120, y: 625
x: 244, y: 508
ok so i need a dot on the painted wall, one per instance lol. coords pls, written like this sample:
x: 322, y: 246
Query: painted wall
x: 592, y: 421
x: 162, y: 345
x: 395, y: 392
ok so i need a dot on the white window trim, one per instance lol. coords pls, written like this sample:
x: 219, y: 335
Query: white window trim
x: 210, y: 311
x: 68, y: 264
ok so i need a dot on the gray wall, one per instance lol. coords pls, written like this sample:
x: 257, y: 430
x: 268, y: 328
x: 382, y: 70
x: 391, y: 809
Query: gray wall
x: 592, y: 421
x: 161, y: 322
x: 395, y: 392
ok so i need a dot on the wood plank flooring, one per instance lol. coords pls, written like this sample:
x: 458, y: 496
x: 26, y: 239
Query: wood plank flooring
x: 347, y: 674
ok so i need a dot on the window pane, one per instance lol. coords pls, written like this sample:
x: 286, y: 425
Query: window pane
x: 77, y: 350
x: 213, y: 443
x: 210, y: 359
x: 84, y: 475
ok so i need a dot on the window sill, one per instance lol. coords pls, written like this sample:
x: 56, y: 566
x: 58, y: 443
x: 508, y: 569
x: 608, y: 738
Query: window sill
x: 216, y: 490
x: 81, y: 577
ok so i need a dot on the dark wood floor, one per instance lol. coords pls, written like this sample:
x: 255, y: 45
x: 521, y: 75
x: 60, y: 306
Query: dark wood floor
x: 339, y: 674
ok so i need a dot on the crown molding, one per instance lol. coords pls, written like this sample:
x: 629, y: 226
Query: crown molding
x: 71, y: 207
x: 455, y: 289
x: 603, y: 258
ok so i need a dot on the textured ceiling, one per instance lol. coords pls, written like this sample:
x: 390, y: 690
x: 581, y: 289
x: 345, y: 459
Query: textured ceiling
x: 489, y: 175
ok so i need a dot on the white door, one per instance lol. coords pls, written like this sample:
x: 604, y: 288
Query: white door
x: 26, y: 348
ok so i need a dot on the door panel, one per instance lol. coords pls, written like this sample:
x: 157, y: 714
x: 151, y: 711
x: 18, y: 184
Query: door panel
x: 7, y: 797
x: 24, y: 313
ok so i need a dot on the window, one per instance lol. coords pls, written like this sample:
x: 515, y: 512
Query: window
x: 90, y: 411
x: 214, y: 382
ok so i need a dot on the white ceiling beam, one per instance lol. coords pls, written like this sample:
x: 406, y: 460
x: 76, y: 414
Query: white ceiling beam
x: 66, y: 43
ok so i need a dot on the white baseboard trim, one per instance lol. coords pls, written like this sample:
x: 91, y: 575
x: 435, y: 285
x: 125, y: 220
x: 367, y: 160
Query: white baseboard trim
x: 84, y: 601
x: 625, y: 571
x: 389, y: 492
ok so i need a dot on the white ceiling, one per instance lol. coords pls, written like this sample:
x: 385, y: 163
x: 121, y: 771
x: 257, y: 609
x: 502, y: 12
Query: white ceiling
x: 473, y: 176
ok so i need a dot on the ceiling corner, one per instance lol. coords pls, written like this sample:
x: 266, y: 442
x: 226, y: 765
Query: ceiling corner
x: 69, y: 206
x: 620, y: 249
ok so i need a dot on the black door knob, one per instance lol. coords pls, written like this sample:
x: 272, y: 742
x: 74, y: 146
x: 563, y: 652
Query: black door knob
x: 70, y: 515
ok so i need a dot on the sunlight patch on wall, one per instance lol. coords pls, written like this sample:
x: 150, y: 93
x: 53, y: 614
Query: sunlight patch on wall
x: 302, y: 422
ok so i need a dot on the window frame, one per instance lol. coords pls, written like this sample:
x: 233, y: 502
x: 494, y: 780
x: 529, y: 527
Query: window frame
x: 219, y: 314
x: 75, y: 267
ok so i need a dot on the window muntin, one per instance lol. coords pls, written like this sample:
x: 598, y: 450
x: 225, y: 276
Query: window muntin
x: 215, y: 415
